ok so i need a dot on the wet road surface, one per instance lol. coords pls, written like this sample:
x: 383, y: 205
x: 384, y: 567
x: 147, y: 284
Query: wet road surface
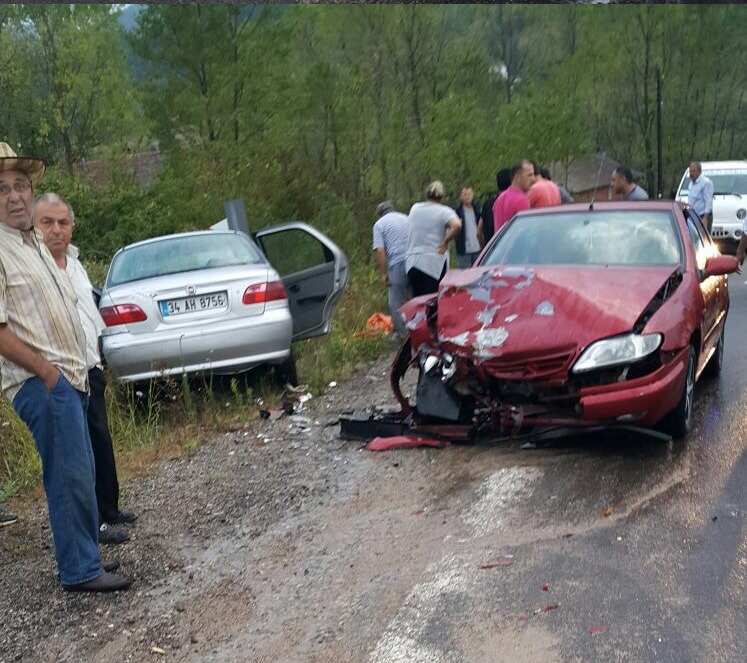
x: 284, y: 543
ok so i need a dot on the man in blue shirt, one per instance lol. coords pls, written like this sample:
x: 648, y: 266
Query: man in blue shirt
x: 391, y: 235
x: 700, y: 194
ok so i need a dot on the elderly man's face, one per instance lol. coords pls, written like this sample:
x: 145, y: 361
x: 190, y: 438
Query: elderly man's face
x: 16, y: 198
x: 694, y: 172
x: 54, y: 222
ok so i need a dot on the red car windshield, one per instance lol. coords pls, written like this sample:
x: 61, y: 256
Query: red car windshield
x: 614, y: 237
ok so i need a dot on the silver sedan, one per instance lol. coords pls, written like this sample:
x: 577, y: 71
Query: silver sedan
x: 211, y: 301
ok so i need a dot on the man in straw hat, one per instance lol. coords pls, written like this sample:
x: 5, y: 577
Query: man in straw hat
x: 44, y: 376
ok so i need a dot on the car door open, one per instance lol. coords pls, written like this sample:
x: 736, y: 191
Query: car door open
x: 314, y: 271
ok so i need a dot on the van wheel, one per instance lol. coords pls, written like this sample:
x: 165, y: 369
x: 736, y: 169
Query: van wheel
x: 680, y: 420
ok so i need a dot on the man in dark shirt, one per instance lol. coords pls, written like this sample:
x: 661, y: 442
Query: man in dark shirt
x: 485, y: 229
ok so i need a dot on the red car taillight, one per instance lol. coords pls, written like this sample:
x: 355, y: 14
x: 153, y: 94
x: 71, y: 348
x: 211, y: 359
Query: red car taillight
x: 122, y: 314
x: 259, y: 293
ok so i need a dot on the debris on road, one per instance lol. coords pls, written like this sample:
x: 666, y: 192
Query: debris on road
x: 404, y: 442
x: 547, y: 608
x: 159, y: 651
x: 598, y: 630
x: 507, y: 560
x: 608, y: 512
x: 546, y: 587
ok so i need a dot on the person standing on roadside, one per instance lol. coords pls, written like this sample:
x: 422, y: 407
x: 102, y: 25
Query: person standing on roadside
x: 700, y: 194
x: 514, y: 199
x: 544, y: 192
x: 468, y: 242
x: 623, y: 185
x: 390, y: 237
x: 55, y: 219
x: 43, y: 369
x: 433, y: 226
x: 502, y: 181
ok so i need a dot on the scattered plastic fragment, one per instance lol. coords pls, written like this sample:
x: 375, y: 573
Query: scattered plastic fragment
x: 598, y: 630
x: 332, y: 385
x: 158, y: 650
x: 546, y: 587
x: 547, y: 608
x: 377, y: 324
x: 608, y: 512
x: 503, y: 561
x: 404, y: 442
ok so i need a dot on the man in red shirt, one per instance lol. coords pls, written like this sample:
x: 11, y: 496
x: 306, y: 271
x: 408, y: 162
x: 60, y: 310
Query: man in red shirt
x: 544, y: 192
x: 514, y: 199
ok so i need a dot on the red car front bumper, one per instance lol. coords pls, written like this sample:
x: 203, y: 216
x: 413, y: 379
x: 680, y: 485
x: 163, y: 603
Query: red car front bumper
x: 644, y: 401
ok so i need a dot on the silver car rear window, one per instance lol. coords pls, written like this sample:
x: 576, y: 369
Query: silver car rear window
x: 181, y: 254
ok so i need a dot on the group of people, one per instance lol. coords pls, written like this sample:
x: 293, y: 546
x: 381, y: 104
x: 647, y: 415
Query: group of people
x: 51, y: 371
x: 411, y: 251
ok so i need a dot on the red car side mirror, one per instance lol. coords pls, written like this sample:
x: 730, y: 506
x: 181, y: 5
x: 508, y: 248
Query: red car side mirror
x: 720, y: 265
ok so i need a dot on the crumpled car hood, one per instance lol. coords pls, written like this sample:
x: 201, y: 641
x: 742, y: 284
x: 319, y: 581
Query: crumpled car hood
x: 500, y: 314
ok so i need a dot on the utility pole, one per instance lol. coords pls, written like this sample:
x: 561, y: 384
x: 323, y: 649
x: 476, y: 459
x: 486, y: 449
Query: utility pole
x: 660, y: 165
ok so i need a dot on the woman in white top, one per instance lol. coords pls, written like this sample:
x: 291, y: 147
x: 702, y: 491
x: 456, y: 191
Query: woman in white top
x: 432, y: 227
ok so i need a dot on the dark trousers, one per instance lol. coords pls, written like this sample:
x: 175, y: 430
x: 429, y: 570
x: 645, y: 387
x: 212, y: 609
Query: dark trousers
x: 107, y: 486
x: 422, y: 283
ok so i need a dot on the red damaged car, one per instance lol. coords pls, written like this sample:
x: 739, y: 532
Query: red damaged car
x: 577, y: 316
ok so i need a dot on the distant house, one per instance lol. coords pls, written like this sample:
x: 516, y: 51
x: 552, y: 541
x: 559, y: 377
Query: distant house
x: 586, y: 177
x: 144, y: 167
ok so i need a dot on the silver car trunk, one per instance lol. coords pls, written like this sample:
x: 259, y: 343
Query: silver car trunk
x: 226, y: 284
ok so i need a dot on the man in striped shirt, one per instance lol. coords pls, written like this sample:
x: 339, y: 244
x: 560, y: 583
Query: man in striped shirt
x: 44, y: 376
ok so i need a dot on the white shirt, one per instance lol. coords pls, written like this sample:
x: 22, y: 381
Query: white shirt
x: 700, y: 195
x: 90, y: 317
x: 391, y: 233
x: 471, y: 243
x: 428, y: 223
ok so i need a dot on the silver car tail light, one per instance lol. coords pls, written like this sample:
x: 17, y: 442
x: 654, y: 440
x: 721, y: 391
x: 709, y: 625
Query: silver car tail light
x: 122, y: 314
x: 259, y: 293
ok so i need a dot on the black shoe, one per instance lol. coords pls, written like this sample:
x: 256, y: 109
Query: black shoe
x: 110, y: 567
x: 119, y: 518
x: 106, y: 582
x: 112, y: 537
x: 7, y: 518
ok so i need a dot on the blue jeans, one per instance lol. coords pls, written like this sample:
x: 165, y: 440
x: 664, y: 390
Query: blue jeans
x: 57, y: 420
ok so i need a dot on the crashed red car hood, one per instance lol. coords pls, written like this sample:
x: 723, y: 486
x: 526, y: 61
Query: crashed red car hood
x: 500, y: 314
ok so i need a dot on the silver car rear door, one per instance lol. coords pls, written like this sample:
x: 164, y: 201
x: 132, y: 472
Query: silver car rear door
x: 314, y: 271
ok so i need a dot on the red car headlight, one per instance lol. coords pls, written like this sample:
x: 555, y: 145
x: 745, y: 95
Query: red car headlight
x: 617, y: 351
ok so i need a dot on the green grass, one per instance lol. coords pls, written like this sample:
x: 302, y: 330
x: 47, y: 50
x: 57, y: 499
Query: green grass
x: 147, y: 425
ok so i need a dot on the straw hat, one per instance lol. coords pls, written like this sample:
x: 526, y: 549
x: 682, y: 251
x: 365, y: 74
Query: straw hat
x: 32, y: 166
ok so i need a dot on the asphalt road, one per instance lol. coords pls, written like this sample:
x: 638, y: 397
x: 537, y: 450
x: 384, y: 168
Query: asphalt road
x: 281, y: 543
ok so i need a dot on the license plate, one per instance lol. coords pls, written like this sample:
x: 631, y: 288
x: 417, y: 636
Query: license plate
x: 208, y: 302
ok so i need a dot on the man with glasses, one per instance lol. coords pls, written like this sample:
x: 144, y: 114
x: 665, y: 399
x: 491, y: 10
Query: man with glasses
x: 44, y: 376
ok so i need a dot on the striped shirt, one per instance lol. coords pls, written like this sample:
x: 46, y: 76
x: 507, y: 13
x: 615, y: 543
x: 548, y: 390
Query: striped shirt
x: 392, y: 233
x: 38, y: 304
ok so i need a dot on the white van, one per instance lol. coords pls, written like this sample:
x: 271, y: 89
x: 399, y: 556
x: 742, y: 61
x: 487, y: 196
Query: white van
x: 729, y: 199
